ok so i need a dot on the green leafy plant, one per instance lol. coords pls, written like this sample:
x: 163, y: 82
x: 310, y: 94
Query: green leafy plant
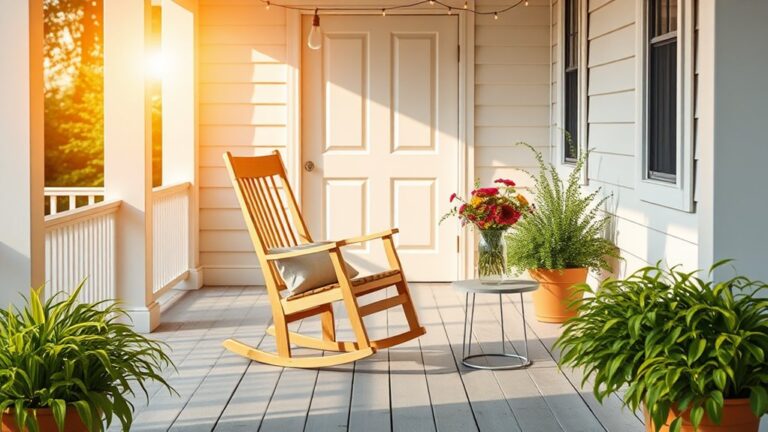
x: 565, y: 229
x: 62, y: 353
x: 677, y: 341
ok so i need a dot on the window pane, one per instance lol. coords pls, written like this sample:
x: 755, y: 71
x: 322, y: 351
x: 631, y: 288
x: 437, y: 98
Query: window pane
x: 570, y: 147
x: 662, y: 136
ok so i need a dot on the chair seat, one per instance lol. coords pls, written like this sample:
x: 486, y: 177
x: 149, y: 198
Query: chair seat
x: 356, y: 282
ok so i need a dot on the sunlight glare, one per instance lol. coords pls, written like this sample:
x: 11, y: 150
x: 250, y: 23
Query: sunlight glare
x: 156, y: 66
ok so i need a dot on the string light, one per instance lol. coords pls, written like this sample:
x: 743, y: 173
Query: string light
x: 315, y: 39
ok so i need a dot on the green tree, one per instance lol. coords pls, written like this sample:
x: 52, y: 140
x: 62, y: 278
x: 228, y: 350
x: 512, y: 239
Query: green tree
x: 74, y: 89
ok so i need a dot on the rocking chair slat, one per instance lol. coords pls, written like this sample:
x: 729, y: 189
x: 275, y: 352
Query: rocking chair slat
x: 267, y: 216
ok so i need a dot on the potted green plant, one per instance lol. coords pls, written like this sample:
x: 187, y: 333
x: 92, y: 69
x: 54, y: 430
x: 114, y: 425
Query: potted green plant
x: 560, y: 240
x: 68, y: 366
x: 690, y: 351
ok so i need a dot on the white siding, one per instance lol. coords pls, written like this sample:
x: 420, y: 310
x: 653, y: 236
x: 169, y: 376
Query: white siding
x: 644, y: 232
x: 243, y: 109
x: 512, y: 89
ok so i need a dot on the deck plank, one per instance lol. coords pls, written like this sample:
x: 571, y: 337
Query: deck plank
x: 611, y: 413
x: 531, y: 407
x: 411, y: 407
x: 329, y: 409
x: 215, y: 325
x: 450, y: 403
x: 417, y: 386
x: 491, y: 409
x: 370, y: 408
x: 209, y: 400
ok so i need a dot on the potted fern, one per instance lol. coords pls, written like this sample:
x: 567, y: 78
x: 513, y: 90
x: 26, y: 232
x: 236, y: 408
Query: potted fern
x: 560, y: 240
x: 690, y: 351
x: 68, y: 366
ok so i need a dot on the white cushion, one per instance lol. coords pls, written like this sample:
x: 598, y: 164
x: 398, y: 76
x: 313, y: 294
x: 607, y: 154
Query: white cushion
x: 307, y: 272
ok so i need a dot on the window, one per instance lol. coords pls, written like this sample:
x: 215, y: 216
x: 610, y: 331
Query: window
x: 571, y: 81
x: 666, y: 47
x: 662, y: 90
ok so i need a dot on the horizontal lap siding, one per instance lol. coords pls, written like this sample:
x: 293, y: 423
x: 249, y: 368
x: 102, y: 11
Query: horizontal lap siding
x: 243, y: 110
x: 512, y: 89
x: 644, y: 232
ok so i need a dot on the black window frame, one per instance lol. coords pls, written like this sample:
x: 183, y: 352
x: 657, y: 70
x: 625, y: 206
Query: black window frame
x: 571, y: 81
x: 662, y: 145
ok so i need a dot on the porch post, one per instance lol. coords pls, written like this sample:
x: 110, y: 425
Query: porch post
x: 180, y: 138
x: 733, y: 150
x: 22, y: 225
x: 128, y: 154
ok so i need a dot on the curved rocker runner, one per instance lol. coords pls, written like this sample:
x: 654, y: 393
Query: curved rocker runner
x: 256, y: 181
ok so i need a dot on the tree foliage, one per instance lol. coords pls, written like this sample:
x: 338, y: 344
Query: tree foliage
x: 74, y: 89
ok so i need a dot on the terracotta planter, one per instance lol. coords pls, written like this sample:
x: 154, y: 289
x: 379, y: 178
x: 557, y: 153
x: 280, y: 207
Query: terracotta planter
x: 555, y: 293
x: 737, y: 417
x: 72, y: 422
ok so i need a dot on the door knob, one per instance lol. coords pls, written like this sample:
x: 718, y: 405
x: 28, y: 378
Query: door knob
x: 309, y: 166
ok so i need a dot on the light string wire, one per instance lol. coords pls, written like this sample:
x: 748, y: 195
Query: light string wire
x: 465, y: 8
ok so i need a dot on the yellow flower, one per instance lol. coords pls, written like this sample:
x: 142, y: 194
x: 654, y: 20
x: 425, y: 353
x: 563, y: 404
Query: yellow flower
x: 522, y: 200
x: 475, y: 201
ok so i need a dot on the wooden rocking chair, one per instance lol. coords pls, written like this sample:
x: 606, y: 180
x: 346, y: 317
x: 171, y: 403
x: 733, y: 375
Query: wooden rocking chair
x: 255, y: 180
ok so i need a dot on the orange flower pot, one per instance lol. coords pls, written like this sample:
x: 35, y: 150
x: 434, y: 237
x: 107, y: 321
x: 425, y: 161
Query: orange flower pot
x: 737, y: 417
x: 555, y: 293
x: 72, y: 422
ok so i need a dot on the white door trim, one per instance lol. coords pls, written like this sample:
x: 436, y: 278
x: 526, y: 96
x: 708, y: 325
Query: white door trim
x: 466, y: 153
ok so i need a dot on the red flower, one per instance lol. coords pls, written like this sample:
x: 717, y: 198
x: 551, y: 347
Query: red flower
x: 462, y: 208
x: 506, y: 182
x: 507, y: 215
x: 486, y: 192
x: 453, y: 197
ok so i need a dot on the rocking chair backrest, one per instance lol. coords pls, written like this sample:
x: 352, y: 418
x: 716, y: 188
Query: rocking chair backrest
x: 257, y: 181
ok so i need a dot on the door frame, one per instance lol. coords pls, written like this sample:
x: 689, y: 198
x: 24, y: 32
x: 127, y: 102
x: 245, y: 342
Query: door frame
x: 466, y: 145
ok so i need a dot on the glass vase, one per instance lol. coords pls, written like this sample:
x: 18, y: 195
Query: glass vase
x: 492, y: 255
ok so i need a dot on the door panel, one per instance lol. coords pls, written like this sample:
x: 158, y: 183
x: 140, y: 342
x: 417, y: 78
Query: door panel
x: 380, y: 124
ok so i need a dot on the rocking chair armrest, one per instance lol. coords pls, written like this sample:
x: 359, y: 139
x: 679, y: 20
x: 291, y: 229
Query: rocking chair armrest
x: 301, y: 252
x: 369, y: 237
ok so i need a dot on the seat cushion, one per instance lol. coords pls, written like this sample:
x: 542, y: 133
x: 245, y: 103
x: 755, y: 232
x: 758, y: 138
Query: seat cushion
x: 307, y: 272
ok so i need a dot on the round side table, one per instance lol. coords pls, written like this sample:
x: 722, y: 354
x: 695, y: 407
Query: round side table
x: 477, y: 286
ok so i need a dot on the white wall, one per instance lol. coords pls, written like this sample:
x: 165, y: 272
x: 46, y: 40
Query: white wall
x: 644, y: 232
x: 244, y: 108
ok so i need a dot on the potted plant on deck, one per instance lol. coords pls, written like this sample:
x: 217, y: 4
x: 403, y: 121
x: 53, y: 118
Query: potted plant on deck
x: 560, y: 240
x: 492, y: 210
x: 691, y: 351
x: 68, y: 366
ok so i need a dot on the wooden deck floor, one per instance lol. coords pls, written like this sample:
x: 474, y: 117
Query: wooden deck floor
x: 420, y: 386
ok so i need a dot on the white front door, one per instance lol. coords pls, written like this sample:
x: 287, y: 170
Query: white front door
x: 380, y: 124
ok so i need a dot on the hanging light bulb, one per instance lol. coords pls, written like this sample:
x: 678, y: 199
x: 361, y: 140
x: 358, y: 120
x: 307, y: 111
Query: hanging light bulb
x: 495, y: 15
x: 526, y: 2
x: 383, y: 12
x: 268, y: 5
x: 432, y: 2
x: 465, y: 4
x: 315, y: 39
x: 450, y: 11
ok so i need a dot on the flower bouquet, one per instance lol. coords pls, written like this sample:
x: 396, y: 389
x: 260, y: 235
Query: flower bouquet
x: 491, y: 210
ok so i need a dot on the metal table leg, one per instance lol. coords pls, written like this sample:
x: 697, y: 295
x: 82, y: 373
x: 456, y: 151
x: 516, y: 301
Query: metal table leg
x: 466, y: 340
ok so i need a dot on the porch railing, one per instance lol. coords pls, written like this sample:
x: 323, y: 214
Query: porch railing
x: 72, y: 198
x: 170, y: 213
x: 78, y: 244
